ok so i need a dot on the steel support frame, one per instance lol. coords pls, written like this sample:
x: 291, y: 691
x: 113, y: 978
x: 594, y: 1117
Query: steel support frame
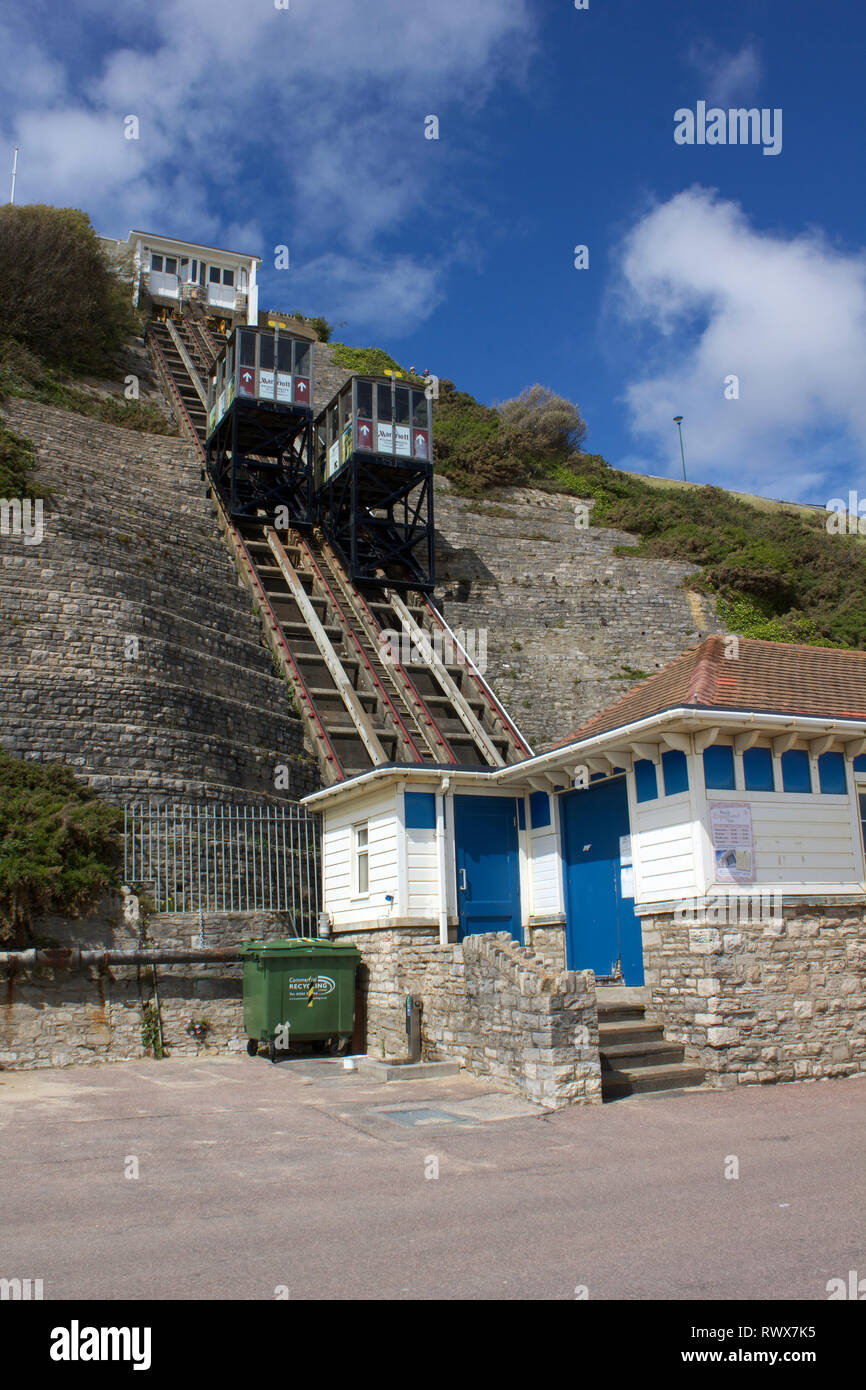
x: 259, y: 461
x: 365, y: 542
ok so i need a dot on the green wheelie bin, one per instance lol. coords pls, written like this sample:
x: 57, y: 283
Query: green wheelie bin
x: 301, y: 989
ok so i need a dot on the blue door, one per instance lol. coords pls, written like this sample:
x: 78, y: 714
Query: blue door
x: 488, y: 867
x: 602, y: 931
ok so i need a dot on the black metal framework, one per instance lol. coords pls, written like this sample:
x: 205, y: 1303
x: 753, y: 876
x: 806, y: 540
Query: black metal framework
x: 374, y: 482
x: 260, y: 426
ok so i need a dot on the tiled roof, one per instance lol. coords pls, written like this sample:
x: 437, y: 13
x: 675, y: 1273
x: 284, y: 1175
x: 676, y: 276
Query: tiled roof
x: 764, y: 677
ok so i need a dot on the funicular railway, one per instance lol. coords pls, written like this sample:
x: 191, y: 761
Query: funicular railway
x: 330, y: 520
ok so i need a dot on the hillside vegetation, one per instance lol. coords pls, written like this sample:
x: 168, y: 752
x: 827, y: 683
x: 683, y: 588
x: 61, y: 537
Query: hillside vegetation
x: 58, y: 845
x: 63, y: 315
x: 776, y: 573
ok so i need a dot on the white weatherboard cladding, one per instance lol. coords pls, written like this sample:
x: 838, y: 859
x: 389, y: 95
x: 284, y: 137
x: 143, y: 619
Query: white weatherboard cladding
x: 378, y: 810
x: 422, y: 866
x: 802, y: 841
x: 545, y: 865
x: 663, y: 848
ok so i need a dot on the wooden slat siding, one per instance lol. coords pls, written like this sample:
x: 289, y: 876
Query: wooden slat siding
x: 802, y: 841
x: 662, y: 852
x: 379, y: 811
x: 545, y: 872
x: 423, y: 866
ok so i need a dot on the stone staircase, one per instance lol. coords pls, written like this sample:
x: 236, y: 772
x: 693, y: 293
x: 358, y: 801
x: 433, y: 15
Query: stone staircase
x: 635, y: 1055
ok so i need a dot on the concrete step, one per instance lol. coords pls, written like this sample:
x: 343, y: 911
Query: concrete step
x: 639, y: 1054
x: 638, y: 1030
x: 667, y: 1076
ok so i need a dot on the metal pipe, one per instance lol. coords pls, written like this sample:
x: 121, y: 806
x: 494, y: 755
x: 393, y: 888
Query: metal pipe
x: 70, y: 957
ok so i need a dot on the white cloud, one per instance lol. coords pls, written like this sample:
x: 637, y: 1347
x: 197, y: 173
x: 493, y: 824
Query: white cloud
x: 786, y: 315
x: 728, y: 77
x: 323, y: 104
x: 392, y: 296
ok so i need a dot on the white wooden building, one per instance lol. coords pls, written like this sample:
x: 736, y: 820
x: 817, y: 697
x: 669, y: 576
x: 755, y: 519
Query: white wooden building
x: 171, y: 271
x: 738, y: 770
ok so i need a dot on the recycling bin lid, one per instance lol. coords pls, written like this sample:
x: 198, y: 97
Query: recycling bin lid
x: 304, y: 945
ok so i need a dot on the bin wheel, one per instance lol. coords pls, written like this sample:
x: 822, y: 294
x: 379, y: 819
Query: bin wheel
x: 338, y: 1047
x: 272, y: 1050
x: 252, y: 1047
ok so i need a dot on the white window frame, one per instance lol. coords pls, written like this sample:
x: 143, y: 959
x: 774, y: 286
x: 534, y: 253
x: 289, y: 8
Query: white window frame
x: 361, y: 855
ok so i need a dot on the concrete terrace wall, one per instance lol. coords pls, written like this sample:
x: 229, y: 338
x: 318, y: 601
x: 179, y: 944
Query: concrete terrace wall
x: 563, y: 613
x: 492, y: 1004
x: 782, y: 999
x: 131, y: 549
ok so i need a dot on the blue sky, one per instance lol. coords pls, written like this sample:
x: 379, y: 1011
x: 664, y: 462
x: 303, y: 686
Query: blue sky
x: 306, y: 127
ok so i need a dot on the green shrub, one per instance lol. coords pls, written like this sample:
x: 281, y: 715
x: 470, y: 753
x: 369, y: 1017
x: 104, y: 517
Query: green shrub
x: 17, y: 462
x: 58, y: 296
x: 58, y: 844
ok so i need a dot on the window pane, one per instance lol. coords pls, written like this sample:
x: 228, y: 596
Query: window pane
x: 420, y: 416
x: 266, y: 351
x: 675, y: 770
x: 365, y: 399
x: 248, y: 349
x: 302, y: 358
x: 284, y: 355
x: 228, y: 277
x: 758, y: 770
x: 403, y: 405
x: 214, y: 275
x: 719, y: 767
x: 362, y: 835
x: 383, y: 402
x: 860, y: 763
x: 171, y: 265
x: 645, y: 780
x: 155, y: 262
x: 539, y: 809
x: 831, y: 774
x: 796, y: 774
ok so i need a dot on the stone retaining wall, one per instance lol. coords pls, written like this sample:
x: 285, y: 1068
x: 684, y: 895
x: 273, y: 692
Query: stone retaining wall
x: 56, y: 1018
x: 762, y: 1001
x: 132, y: 554
x: 489, y: 1002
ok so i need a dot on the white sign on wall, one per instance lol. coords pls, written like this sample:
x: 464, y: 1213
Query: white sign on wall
x: 733, y: 841
x: 384, y: 438
x: 403, y: 440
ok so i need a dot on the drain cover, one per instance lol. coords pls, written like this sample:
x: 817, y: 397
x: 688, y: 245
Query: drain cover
x: 425, y: 1116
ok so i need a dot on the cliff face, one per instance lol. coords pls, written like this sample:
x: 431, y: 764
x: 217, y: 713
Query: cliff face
x: 128, y: 651
x: 569, y: 625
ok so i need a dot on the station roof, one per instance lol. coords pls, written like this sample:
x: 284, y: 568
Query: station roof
x: 762, y: 678
x: 193, y: 245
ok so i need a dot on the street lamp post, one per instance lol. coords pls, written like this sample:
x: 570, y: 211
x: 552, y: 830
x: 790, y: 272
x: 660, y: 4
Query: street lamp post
x: 678, y: 421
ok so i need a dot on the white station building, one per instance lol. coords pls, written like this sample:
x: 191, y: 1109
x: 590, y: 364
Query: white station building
x: 739, y: 769
x: 172, y: 272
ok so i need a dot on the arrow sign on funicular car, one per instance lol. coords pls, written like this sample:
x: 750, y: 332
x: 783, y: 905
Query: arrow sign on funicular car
x: 248, y: 381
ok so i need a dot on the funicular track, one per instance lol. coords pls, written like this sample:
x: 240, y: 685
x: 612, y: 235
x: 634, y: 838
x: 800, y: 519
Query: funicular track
x: 377, y: 675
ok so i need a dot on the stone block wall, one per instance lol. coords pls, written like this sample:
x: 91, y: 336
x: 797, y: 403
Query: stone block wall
x: 55, y: 1018
x: 132, y: 551
x: 489, y: 1002
x: 778, y: 999
x: 566, y: 619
